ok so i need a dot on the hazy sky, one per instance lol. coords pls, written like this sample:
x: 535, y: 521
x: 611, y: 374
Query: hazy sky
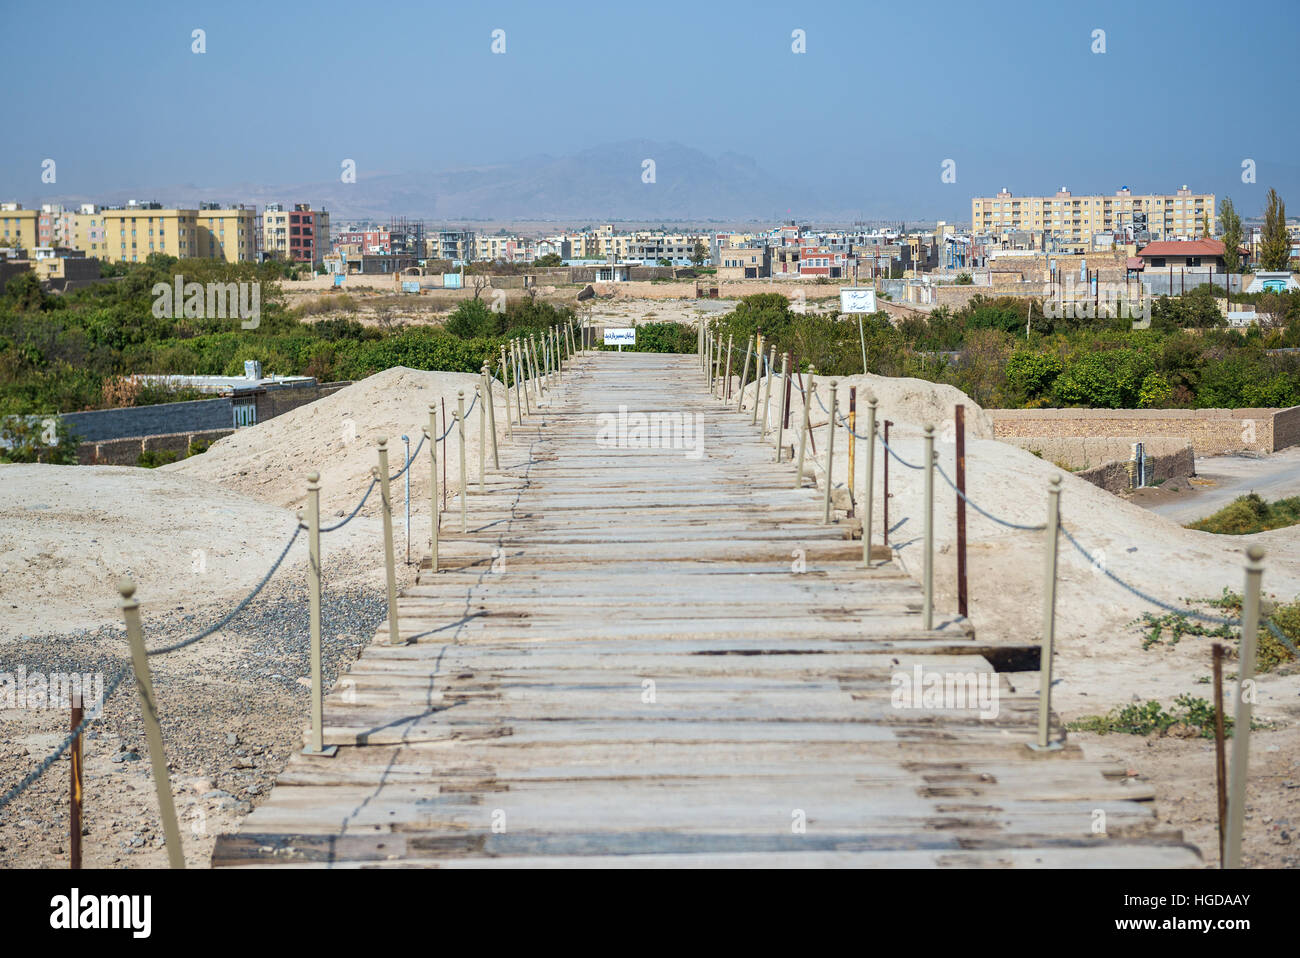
x: 1010, y: 91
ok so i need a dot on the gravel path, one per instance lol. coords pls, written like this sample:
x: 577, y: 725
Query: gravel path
x: 233, y: 707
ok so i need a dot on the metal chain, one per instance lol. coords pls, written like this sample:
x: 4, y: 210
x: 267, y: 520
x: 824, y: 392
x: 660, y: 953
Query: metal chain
x: 237, y: 609
x: 1188, y: 613
x: 985, y: 513
x: 44, y: 767
x: 415, y: 452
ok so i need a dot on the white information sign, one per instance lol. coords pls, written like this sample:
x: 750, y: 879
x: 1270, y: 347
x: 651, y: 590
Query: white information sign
x: 620, y: 337
x: 855, y: 299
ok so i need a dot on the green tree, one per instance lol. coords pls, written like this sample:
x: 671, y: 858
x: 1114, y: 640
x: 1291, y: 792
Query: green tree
x: 1030, y: 375
x: 1275, y: 244
x: 550, y: 259
x: 701, y: 253
x: 1230, y: 221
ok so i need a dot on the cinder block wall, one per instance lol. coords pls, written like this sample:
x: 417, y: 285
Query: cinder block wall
x: 127, y: 452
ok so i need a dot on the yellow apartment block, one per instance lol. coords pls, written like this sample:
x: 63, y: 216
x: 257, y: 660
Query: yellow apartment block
x: 1073, y: 219
x: 229, y: 234
x: 18, y: 226
x: 131, y: 233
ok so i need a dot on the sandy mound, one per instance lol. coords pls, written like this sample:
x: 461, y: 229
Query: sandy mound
x: 338, y: 436
x: 1101, y: 659
x: 69, y: 533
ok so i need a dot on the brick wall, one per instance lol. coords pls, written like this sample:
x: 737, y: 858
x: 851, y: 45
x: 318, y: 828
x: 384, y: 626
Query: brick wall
x: 1211, y: 432
x: 127, y: 452
x: 1077, y: 453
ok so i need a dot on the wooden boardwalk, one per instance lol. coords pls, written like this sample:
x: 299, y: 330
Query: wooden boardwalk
x: 620, y: 664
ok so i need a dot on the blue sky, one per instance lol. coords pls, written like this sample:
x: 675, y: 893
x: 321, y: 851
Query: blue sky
x: 1010, y: 91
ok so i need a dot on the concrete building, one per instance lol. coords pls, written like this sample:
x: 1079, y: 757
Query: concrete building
x: 228, y: 233
x: 453, y: 245
x: 88, y: 234
x: 744, y: 262
x: 19, y: 227
x: 1070, y: 221
x: 1184, y: 254
x: 134, y: 231
x: 300, y: 234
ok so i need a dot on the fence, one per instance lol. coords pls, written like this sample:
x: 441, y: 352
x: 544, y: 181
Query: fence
x: 1051, y: 531
x: 530, y: 366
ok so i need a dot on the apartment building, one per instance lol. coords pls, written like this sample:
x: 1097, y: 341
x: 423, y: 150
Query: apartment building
x: 369, y: 241
x: 744, y: 262
x: 1069, y: 221
x: 19, y: 227
x: 454, y: 245
x: 504, y: 249
x: 88, y: 233
x: 300, y: 234
x: 55, y: 226
x: 134, y: 231
x: 227, y: 232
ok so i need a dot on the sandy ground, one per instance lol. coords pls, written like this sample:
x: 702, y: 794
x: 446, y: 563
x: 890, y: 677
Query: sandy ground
x: 1100, y: 663
x: 196, y: 538
x: 1221, y: 479
x: 196, y: 535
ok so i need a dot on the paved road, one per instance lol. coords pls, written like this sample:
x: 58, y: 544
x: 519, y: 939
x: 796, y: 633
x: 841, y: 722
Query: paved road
x: 1221, y: 479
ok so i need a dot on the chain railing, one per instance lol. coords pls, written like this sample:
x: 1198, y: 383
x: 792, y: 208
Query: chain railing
x: 141, y: 655
x: 1248, y: 622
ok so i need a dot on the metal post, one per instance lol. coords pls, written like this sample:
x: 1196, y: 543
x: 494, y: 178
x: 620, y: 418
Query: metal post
x: 491, y: 411
x: 435, y: 517
x: 482, y: 441
x: 407, y: 473
x: 152, y: 728
x: 1220, y: 752
x: 830, y: 452
x: 709, y: 364
x: 505, y: 385
x: 317, y: 744
x: 884, y: 502
x: 744, y: 376
x: 521, y: 377
x: 851, y: 485
x: 1049, y: 612
x: 803, y: 433
x: 1245, y: 704
x: 868, y: 494
x: 75, y: 792
x: 959, y: 412
x: 758, y: 373
x: 531, y: 344
x: 780, y: 421
x: 767, y: 393
x: 717, y: 365
x: 726, y: 389
x: 460, y: 428
x: 390, y: 571
x: 928, y: 576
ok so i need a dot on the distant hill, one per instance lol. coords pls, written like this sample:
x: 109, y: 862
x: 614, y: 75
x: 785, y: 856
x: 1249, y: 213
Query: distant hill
x: 597, y: 184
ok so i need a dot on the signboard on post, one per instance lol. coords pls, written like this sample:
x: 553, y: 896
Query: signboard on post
x: 857, y: 299
x: 620, y: 337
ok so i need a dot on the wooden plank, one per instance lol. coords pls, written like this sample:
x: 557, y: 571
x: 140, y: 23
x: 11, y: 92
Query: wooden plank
x: 637, y: 657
